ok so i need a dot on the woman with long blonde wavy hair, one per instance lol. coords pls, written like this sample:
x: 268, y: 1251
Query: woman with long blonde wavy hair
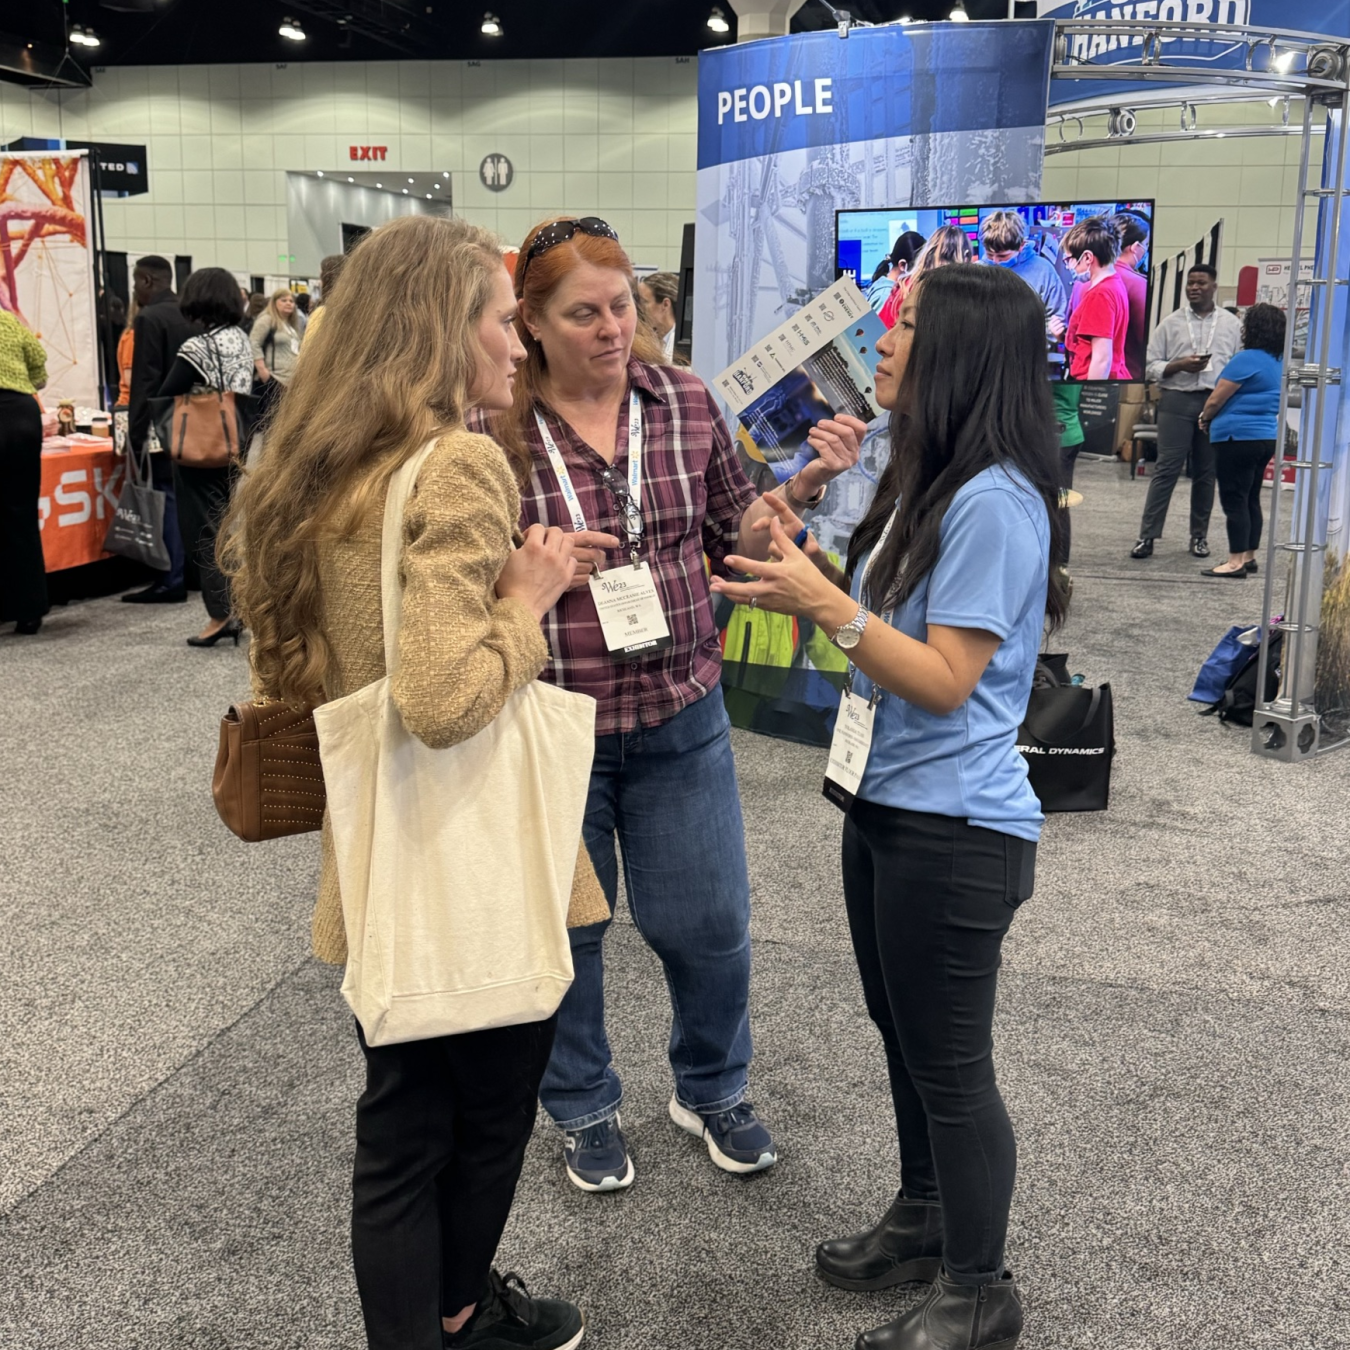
x: 442, y: 1126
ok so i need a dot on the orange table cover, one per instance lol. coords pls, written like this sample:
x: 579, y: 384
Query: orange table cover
x: 81, y: 480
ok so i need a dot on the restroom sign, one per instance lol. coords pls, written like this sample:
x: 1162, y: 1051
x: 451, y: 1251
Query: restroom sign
x: 495, y: 173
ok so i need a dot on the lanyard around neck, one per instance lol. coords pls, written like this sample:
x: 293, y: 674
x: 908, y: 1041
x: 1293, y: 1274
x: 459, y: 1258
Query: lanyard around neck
x: 564, y: 476
x: 885, y: 617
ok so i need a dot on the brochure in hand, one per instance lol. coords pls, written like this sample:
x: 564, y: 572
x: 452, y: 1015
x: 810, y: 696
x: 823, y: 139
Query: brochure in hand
x: 817, y: 364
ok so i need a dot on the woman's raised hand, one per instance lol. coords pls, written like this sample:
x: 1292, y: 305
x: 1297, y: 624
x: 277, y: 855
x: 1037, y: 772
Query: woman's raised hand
x: 787, y: 583
x: 540, y: 570
x: 792, y: 527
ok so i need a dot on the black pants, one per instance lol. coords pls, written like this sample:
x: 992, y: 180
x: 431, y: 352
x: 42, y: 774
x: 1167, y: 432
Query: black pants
x: 1180, y: 439
x: 162, y: 478
x: 23, y: 572
x: 203, y: 498
x: 929, y: 899
x: 441, y: 1131
x: 1241, y: 467
x: 1068, y: 461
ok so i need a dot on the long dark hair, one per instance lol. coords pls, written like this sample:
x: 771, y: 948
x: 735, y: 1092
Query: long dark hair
x: 975, y: 393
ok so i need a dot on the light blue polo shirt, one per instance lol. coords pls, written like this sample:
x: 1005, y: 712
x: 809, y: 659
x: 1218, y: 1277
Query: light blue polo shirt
x: 991, y: 573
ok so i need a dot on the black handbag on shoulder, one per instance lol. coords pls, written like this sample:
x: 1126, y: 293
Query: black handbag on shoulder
x: 1068, y: 740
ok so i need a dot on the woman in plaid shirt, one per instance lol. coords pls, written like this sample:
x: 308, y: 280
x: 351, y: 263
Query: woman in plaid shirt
x: 607, y: 438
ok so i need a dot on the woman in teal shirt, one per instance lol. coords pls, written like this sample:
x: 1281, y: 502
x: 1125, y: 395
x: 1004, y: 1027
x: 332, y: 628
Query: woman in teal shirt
x: 941, y: 611
x: 1240, y: 417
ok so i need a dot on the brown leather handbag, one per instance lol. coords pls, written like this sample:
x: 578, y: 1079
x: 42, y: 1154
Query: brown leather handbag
x: 268, y: 781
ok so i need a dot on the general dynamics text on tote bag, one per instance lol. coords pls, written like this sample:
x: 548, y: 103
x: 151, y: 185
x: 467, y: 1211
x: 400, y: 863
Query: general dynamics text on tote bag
x: 455, y: 865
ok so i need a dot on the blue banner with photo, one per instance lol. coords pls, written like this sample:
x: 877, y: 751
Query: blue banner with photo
x: 792, y: 130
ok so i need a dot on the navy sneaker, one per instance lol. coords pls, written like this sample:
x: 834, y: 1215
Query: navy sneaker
x: 737, y: 1139
x: 597, y: 1157
x: 507, y: 1318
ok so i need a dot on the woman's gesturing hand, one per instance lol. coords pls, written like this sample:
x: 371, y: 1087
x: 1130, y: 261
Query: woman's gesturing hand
x: 589, y: 550
x: 540, y: 570
x: 789, y: 582
x: 838, y: 443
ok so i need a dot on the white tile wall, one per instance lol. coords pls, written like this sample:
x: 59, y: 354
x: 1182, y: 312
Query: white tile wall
x: 610, y: 136
x: 221, y: 138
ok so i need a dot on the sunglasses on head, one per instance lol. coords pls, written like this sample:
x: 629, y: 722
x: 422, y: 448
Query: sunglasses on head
x: 560, y: 231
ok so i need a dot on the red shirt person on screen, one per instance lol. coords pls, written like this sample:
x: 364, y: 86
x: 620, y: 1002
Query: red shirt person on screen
x: 1133, y: 232
x: 1099, y: 327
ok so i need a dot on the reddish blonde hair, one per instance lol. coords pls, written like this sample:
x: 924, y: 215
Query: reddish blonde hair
x: 535, y: 282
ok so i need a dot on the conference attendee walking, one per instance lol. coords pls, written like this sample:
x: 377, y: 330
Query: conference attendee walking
x: 23, y: 572
x: 276, y: 335
x: 659, y: 292
x: 158, y: 331
x: 218, y: 358
x: 941, y: 610
x: 1185, y: 355
x: 1241, y: 418
x: 615, y: 441
x: 442, y: 1125
x: 329, y: 271
x: 1099, y: 326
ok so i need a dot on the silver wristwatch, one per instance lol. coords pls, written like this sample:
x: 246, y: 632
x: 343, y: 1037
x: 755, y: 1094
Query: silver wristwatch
x: 851, y: 633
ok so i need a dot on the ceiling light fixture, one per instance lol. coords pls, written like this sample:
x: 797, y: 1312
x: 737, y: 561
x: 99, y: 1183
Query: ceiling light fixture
x: 405, y: 192
x: 84, y: 37
x: 958, y: 14
x: 445, y: 173
x: 428, y: 196
x: 491, y: 25
x: 717, y: 21
x: 350, y: 179
x: 379, y: 185
x: 320, y: 173
x: 410, y: 180
x: 292, y: 30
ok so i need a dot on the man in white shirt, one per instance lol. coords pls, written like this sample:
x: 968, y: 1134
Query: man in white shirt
x: 659, y: 293
x: 1186, y: 355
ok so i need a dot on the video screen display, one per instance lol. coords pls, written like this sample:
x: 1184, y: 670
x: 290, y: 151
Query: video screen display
x: 1096, y: 313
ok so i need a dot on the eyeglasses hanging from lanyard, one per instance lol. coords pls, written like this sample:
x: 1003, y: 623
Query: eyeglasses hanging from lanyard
x: 560, y: 231
x: 630, y: 515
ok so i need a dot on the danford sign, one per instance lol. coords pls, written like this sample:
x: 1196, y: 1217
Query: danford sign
x: 1330, y: 18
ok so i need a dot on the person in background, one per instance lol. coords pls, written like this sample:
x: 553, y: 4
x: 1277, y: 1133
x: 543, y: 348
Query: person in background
x: 639, y: 449
x: 302, y: 302
x: 1004, y: 242
x: 1241, y: 418
x: 893, y: 268
x: 659, y: 292
x: 257, y: 302
x: 941, y: 609
x: 442, y: 1126
x: 329, y: 271
x: 218, y: 357
x: 112, y: 320
x: 946, y: 245
x: 1099, y: 325
x: 158, y: 332
x: 23, y: 571
x: 126, y: 344
x: 1185, y: 355
x: 275, y: 336
x: 1133, y: 233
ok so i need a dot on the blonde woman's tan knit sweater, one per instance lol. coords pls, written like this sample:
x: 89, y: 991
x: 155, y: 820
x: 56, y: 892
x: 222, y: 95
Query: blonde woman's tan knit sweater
x: 462, y: 651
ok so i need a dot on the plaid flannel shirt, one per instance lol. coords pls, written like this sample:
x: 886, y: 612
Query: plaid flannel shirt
x: 694, y: 493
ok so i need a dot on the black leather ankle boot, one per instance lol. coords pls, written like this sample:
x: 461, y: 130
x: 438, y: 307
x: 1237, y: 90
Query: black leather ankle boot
x: 955, y: 1317
x: 905, y: 1245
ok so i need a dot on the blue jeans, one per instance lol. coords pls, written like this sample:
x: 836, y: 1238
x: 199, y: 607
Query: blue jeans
x: 669, y: 794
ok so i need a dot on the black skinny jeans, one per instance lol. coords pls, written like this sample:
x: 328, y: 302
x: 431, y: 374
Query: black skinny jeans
x: 929, y: 899
x: 203, y: 499
x: 1241, y: 466
x: 441, y: 1131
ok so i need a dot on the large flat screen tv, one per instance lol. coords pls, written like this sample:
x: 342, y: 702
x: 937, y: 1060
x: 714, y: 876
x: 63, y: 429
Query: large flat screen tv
x: 865, y: 239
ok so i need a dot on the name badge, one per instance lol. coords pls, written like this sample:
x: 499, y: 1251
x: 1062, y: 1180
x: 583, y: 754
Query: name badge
x: 849, y: 749
x: 630, y: 611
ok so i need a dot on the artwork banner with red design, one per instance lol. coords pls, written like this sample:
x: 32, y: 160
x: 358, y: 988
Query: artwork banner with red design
x: 47, y: 266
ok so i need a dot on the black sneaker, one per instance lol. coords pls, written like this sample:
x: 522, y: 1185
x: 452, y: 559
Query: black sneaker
x: 507, y: 1318
x: 597, y: 1157
x: 1143, y: 548
x: 1199, y: 546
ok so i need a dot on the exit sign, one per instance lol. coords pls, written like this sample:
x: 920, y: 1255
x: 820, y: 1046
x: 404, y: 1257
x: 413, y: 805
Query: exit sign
x: 369, y: 151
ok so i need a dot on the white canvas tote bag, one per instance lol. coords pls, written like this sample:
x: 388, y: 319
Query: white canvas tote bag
x: 455, y: 865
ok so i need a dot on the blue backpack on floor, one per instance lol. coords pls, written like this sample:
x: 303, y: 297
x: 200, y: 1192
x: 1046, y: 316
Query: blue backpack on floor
x: 1224, y: 662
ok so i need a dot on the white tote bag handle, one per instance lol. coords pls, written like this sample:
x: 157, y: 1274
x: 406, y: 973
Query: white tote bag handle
x: 401, y: 485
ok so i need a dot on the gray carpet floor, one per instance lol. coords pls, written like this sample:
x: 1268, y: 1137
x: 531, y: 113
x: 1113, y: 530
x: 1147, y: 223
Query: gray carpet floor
x: 177, y: 1075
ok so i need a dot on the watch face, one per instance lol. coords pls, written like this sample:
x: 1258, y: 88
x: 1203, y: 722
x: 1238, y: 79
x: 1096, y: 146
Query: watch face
x: 847, y: 637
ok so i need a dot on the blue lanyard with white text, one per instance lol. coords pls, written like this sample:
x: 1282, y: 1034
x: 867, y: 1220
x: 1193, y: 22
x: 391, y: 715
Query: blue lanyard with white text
x: 564, y: 478
x: 885, y: 618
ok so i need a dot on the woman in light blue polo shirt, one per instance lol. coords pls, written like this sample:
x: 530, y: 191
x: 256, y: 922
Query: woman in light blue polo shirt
x: 941, y: 612
x: 1240, y: 417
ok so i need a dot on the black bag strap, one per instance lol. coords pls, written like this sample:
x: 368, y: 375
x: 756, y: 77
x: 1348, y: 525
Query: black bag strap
x: 1094, y: 703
